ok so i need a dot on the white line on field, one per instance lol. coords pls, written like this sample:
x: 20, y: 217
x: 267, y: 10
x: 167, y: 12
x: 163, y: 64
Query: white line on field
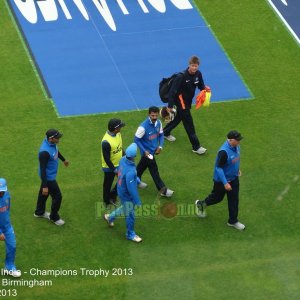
x: 286, y: 189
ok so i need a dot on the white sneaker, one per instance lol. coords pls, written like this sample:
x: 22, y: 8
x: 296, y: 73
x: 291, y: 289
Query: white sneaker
x: 14, y: 273
x: 45, y: 215
x: 200, y: 151
x: 200, y: 209
x: 136, y: 239
x: 59, y: 222
x: 168, y: 193
x: 142, y: 185
x: 237, y: 225
x: 170, y: 138
x: 106, y: 218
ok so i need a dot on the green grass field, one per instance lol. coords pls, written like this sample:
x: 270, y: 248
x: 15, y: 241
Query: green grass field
x: 182, y: 257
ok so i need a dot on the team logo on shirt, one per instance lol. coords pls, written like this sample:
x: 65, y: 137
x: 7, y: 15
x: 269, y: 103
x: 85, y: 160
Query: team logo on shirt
x: 153, y: 136
x: 118, y: 149
x: 235, y: 160
x: 4, y: 208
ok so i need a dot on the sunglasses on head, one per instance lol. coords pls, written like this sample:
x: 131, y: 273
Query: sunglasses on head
x: 54, y: 135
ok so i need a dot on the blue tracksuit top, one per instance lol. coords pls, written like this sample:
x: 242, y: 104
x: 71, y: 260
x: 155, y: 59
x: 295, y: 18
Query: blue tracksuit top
x: 4, y: 212
x: 149, y: 136
x: 127, y: 181
x: 52, y: 165
x: 231, y: 169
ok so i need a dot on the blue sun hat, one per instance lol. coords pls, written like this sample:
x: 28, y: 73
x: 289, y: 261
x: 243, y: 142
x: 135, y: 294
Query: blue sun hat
x: 3, y: 185
x: 131, y: 150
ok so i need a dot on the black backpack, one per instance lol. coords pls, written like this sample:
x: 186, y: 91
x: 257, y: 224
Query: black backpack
x: 165, y: 86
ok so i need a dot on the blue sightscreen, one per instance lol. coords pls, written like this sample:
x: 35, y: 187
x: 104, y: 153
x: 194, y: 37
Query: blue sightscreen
x: 88, y: 67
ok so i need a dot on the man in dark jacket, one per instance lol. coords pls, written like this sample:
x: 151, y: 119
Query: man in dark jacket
x: 181, y: 94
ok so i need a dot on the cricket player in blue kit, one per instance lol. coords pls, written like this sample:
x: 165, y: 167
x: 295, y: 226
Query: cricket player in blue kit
x: 226, y: 180
x: 150, y: 139
x: 7, y: 232
x: 127, y: 192
x: 48, y: 161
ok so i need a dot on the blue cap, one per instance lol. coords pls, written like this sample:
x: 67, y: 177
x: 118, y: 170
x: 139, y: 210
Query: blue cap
x: 131, y: 150
x: 3, y: 185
